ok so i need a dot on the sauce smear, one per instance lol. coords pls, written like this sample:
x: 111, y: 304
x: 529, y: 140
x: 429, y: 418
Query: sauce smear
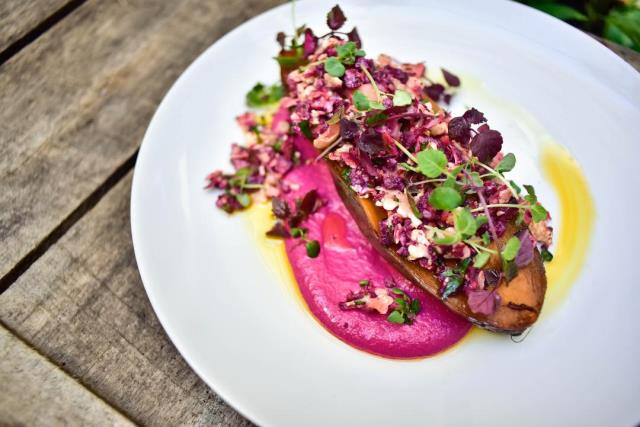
x: 346, y: 258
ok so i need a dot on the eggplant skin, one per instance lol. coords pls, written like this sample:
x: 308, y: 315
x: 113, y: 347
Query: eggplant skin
x: 521, y: 299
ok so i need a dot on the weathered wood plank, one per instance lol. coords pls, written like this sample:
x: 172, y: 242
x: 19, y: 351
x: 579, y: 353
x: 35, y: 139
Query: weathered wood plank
x: 18, y: 17
x: 37, y: 393
x: 83, y: 306
x: 75, y: 103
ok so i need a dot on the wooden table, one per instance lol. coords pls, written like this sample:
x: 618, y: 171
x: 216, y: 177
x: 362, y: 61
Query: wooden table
x: 79, y: 82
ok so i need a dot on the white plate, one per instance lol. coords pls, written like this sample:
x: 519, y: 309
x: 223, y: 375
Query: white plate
x: 246, y: 336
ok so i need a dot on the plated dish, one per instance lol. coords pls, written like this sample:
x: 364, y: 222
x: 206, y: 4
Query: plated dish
x: 226, y: 295
x: 362, y: 163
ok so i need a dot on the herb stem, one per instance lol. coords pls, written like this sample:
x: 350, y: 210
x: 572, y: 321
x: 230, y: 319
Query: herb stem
x: 426, y: 181
x: 405, y: 151
x: 500, y: 177
x: 373, y: 82
x: 328, y: 149
x: 500, y: 205
x: 492, y: 226
x: 479, y: 248
x: 253, y: 186
x: 311, y: 64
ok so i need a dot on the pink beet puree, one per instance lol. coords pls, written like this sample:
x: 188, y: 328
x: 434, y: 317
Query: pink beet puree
x: 346, y: 257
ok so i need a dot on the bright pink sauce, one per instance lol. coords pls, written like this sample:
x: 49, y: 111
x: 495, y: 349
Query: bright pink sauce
x: 346, y: 257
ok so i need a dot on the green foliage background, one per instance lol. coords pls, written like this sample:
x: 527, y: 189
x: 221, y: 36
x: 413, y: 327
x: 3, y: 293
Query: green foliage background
x: 615, y: 20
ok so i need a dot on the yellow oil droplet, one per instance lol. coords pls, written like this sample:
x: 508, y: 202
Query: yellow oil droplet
x: 259, y: 219
x: 576, y: 219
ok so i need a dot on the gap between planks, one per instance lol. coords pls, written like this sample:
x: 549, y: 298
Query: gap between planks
x: 85, y: 206
x: 39, y: 30
x: 20, y: 339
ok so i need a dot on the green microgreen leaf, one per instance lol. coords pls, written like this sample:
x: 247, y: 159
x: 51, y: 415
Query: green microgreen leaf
x: 445, y: 198
x: 464, y: 222
x: 511, y: 249
x: 375, y: 105
x: 360, y: 101
x: 452, y: 285
x: 412, y: 204
x: 546, y: 255
x: 515, y: 187
x: 408, y: 167
x: 334, y: 67
x: 509, y: 269
x: 520, y: 217
x: 244, y: 199
x: 398, y: 291
x: 415, y: 307
x: 507, y: 163
x: 432, y: 163
x: 538, y: 213
x: 376, y: 119
x: 486, y: 238
x: 261, y: 95
x: 298, y: 232
x: 530, y: 190
x: 243, y: 172
x: 313, y: 248
x: 359, y: 302
x: 475, y: 179
x: 481, y: 259
x: 396, y: 317
x: 292, y: 60
x: 401, y: 98
x: 447, y: 239
x: 346, y: 175
x: 402, y: 305
x: 364, y: 283
x: 348, y: 52
x: 305, y: 128
x: 481, y: 220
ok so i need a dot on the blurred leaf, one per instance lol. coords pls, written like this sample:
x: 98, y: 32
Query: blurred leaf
x: 560, y: 11
x: 616, y: 35
x: 625, y: 24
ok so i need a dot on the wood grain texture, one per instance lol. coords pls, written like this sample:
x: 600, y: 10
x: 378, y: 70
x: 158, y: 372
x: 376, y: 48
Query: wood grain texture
x: 37, y: 393
x: 74, y: 104
x: 18, y: 17
x: 83, y: 306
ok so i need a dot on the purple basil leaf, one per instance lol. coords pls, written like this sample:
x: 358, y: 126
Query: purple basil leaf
x: 452, y: 79
x: 309, y: 202
x: 348, y: 129
x: 527, y: 245
x: 278, y: 230
x: 459, y: 129
x: 483, y: 301
x: 353, y: 36
x: 371, y: 142
x: 280, y: 38
x: 365, y: 162
x: 310, y: 42
x: 280, y: 208
x: 474, y: 116
x: 486, y: 145
x: 335, y: 18
x: 434, y: 91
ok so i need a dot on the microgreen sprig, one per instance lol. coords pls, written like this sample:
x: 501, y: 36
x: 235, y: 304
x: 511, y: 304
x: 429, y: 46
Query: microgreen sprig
x: 406, y: 308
